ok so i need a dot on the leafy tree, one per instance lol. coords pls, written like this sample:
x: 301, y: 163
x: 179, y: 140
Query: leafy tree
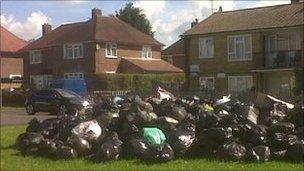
x: 135, y: 17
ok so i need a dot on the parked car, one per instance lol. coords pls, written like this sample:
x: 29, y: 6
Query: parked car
x: 76, y: 85
x: 55, y: 101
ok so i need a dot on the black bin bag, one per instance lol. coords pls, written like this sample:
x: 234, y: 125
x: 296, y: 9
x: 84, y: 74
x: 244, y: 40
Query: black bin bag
x: 259, y: 153
x: 139, y: 148
x: 161, y: 153
x: 81, y: 145
x: 66, y: 152
x: 232, y: 151
x: 295, y: 152
x: 110, y: 149
x: 181, y: 140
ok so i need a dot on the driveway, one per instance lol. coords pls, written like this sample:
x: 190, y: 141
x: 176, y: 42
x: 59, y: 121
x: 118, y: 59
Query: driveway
x: 18, y: 116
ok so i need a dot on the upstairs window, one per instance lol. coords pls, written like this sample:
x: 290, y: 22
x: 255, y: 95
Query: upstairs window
x: 35, y: 57
x: 206, y: 47
x: 239, y: 48
x: 73, y: 50
x: 111, y: 50
x: 147, y: 52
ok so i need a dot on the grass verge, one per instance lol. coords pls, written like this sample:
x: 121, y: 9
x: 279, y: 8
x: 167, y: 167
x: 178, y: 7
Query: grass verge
x: 11, y: 159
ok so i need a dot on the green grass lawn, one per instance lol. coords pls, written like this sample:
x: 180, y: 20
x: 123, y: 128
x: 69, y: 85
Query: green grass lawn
x: 12, y: 160
x: 6, y: 108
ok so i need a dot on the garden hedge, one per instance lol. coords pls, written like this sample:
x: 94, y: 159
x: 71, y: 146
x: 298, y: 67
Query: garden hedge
x: 141, y: 83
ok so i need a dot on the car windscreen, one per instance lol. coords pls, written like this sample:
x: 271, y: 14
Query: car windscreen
x: 68, y: 93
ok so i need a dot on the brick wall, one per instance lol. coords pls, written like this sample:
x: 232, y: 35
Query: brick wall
x: 219, y: 63
x: 11, y: 66
x: 104, y: 64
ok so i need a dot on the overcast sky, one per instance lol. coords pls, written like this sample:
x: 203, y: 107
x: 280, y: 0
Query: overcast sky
x: 168, y: 18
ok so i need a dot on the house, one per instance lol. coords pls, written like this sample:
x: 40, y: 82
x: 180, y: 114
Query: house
x: 247, y: 50
x: 100, y: 45
x: 175, y: 54
x: 11, y: 61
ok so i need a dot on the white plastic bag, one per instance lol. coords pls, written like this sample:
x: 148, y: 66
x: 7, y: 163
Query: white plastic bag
x: 88, y: 130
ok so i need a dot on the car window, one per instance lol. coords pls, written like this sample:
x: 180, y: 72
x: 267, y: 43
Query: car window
x: 44, y: 93
x: 67, y: 93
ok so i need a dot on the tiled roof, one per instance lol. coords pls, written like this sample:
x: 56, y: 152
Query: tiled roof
x: 10, y: 42
x: 101, y: 29
x: 176, y: 48
x: 147, y: 66
x: 249, y: 19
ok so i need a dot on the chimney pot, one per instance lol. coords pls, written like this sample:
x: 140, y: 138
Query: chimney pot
x: 194, y: 22
x: 220, y: 9
x: 295, y: 1
x: 96, y: 13
x: 46, y: 28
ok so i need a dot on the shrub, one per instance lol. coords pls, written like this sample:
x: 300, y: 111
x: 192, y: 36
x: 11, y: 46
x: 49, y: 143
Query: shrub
x: 140, y: 83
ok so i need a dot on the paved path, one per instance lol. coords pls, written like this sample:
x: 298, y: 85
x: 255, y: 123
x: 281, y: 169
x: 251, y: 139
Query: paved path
x: 18, y: 116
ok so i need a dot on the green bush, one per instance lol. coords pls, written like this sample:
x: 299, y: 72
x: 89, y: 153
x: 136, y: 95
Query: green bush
x: 141, y: 83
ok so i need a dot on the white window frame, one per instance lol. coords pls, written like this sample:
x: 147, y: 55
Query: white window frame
x: 73, y: 45
x: 206, y: 78
x: 235, y: 43
x: 110, y: 72
x: 35, y: 59
x: 113, y: 46
x: 72, y: 75
x: 205, y: 39
x: 11, y: 76
x: 238, y: 76
x: 147, y: 52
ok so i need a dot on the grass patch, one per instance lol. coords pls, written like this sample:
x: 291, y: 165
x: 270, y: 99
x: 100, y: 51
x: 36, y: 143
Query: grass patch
x: 6, y: 108
x: 11, y: 159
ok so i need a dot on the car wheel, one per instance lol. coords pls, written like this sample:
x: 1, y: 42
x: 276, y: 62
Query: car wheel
x: 30, y: 109
x: 62, y: 110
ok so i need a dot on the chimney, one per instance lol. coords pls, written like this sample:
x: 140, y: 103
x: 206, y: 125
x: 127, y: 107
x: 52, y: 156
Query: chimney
x: 96, y: 13
x: 46, y: 28
x: 194, y: 23
x: 220, y: 9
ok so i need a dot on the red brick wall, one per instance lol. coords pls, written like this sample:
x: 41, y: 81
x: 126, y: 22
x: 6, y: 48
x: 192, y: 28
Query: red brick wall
x: 104, y: 64
x: 11, y: 66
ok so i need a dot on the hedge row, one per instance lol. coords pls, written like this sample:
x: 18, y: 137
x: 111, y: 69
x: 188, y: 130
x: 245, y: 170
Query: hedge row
x: 142, y: 83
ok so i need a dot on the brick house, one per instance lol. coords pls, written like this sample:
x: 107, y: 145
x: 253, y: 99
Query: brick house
x: 100, y: 45
x: 175, y: 54
x: 247, y: 50
x: 11, y: 61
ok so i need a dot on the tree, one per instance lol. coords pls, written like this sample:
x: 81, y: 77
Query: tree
x: 135, y: 17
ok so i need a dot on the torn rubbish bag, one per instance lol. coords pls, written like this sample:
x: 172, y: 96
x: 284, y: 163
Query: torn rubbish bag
x: 164, y: 94
x: 153, y: 136
x: 89, y: 130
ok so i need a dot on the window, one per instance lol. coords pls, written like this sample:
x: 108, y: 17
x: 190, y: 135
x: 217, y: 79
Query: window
x: 147, y: 52
x: 73, y: 51
x: 35, y: 57
x: 14, y: 76
x: 283, y: 42
x: 239, y: 48
x: 76, y: 75
x: 194, y: 68
x: 206, y: 47
x: 239, y: 84
x: 170, y: 59
x: 206, y: 83
x: 111, y: 50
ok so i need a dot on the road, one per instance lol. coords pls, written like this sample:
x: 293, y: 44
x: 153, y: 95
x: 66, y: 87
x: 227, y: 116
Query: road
x: 18, y: 116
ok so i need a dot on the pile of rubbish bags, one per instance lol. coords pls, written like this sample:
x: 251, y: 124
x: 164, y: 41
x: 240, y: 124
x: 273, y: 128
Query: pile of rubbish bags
x: 160, y: 128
